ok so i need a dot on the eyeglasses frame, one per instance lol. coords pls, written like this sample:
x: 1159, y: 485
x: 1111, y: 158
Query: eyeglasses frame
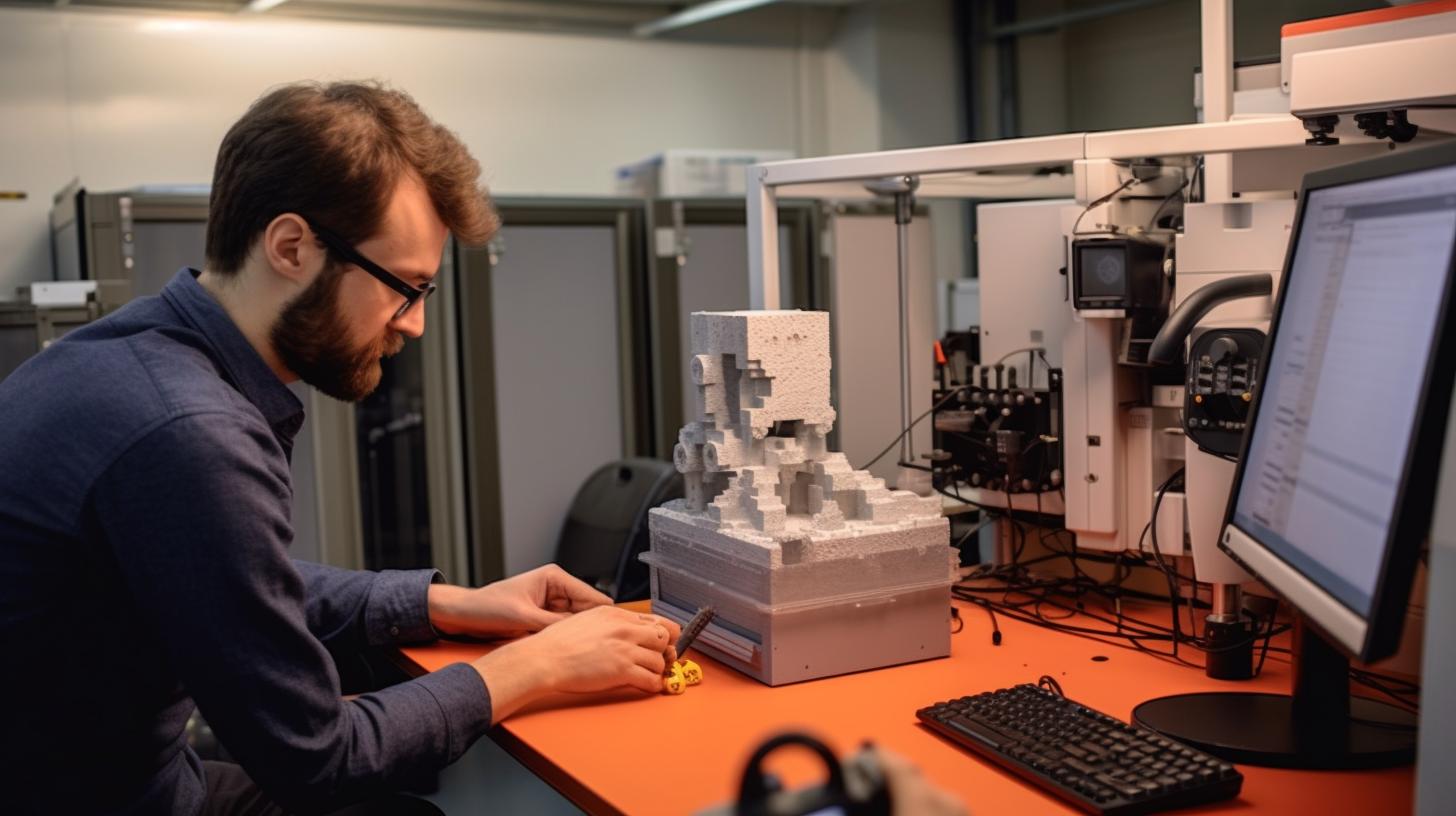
x: 336, y: 244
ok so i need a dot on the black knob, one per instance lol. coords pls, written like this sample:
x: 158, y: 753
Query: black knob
x: 1223, y: 347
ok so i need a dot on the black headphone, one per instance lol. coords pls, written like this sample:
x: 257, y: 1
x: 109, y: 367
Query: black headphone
x: 856, y: 788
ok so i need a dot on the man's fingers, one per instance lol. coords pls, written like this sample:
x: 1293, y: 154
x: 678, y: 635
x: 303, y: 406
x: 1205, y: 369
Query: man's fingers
x: 653, y: 632
x: 571, y: 594
x: 542, y: 618
x: 655, y: 662
x: 644, y: 679
x: 895, y: 766
x: 674, y: 631
x: 585, y: 597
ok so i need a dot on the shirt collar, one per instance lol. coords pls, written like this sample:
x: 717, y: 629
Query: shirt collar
x: 241, y: 363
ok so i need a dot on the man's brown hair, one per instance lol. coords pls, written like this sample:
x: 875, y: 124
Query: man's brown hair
x: 334, y: 153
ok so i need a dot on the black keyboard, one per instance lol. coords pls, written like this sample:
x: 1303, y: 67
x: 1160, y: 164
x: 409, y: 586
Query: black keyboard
x: 1096, y: 762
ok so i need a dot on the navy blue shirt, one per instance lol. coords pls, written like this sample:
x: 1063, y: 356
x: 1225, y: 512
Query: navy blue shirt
x: 145, y: 502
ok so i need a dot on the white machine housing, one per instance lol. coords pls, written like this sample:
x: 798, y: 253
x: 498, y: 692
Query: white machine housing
x: 1384, y: 59
x: 1251, y: 167
x: 1222, y: 241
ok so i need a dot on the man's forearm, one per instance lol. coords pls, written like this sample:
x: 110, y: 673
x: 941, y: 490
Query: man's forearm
x: 515, y: 676
x: 446, y: 609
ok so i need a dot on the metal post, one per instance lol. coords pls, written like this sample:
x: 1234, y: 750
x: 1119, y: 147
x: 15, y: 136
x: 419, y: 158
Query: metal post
x: 1227, y: 603
x: 1217, y: 28
x: 902, y: 253
x: 903, y: 189
x: 763, y: 242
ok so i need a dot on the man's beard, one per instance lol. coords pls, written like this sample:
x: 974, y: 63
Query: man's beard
x: 311, y: 337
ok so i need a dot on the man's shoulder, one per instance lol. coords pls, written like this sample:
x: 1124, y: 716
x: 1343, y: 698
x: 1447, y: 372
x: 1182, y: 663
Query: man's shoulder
x: 86, y: 398
x: 69, y: 413
x: 135, y: 367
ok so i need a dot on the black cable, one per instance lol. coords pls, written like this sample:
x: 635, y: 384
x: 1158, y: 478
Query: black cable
x: 1131, y: 632
x: 995, y: 627
x: 1006, y: 608
x: 1023, y: 598
x: 1268, y: 636
x: 1016, y: 546
x: 1098, y: 636
x: 961, y: 542
x: 1187, y: 182
x: 1174, y: 588
x: 1413, y: 688
x: 1099, y: 202
x: 982, y: 507
x: 1038, y: 593
x: 908, y: 428
x: 1038, y: 350
x: 1404, y: 705
x: 1144, y: 630
x: 1050, y: 683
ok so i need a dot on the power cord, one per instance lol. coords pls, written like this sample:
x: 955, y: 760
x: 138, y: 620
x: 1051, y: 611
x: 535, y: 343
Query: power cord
x: 1099, y: 202
x: 908, y: 428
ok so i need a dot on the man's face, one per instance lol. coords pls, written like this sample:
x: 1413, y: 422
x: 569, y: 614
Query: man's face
x: 335, y: 332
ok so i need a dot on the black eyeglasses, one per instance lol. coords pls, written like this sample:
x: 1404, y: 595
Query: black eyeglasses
x: 412, y: 294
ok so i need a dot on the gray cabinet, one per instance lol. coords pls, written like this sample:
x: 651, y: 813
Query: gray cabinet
x: 554, y: 372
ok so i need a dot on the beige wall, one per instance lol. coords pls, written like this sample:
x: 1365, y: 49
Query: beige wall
x: 125, y: 99
x: 119, y: 100
x: 1133, y: 69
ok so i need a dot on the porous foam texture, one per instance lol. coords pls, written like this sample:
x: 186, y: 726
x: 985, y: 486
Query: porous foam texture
x: 762, y: 485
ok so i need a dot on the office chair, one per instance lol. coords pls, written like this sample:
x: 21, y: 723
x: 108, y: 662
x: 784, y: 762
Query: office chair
x: 606, y: 527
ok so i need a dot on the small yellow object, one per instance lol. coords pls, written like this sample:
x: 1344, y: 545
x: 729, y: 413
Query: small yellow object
x: 673, y: 681
x: 682, y: 674
x: 1248, y: 396
x: 692, y: 672
x: 1198, y: 399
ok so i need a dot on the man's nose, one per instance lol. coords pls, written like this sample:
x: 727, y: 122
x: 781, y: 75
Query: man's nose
x: 412, y: 322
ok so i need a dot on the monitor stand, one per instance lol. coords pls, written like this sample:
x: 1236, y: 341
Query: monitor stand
x: 1320, y: 727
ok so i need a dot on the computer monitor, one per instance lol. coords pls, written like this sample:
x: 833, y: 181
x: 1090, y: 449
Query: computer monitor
x: 1332, y: 499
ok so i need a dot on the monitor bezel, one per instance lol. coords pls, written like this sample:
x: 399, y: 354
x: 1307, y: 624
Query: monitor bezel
x: 1377, y: 635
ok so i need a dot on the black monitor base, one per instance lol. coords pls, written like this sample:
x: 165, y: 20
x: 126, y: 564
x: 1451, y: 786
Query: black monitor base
x: 1259, y: 729
x: 1319, y: 727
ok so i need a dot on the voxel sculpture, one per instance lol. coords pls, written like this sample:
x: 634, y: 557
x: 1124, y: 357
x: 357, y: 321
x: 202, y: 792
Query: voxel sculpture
x: 815, y: 568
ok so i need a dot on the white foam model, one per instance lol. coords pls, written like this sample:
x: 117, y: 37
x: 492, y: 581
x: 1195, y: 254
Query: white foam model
x: 773, y: 522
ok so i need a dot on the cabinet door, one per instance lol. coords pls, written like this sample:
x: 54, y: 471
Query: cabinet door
x: 553, y: 357
x: 863, y: 302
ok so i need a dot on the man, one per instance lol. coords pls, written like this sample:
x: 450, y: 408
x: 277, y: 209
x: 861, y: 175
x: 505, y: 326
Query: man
x: 145, y: 503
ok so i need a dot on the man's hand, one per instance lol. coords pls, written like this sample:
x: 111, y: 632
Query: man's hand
x: 513, y: 607
x: 913, y: 794
x: 600, y: 649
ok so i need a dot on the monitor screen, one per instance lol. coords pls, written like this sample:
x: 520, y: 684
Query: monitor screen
x: 1345, y: 375
x: 1103, y: 271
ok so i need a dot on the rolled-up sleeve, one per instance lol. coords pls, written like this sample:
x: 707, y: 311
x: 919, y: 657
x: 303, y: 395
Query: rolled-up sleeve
x: 196, y: 514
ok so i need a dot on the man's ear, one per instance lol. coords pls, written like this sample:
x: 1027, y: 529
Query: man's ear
x: 291, y: 250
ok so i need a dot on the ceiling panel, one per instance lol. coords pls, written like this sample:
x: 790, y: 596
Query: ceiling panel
x: 808, y: 18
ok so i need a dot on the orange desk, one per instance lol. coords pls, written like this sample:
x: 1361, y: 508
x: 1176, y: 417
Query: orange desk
x: 631, y: 754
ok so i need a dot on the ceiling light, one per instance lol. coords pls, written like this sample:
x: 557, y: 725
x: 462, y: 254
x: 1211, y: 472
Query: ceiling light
x: 700, y: 13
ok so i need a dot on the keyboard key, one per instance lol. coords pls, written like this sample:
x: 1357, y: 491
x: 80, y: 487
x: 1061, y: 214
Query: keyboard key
x: 988, y: 736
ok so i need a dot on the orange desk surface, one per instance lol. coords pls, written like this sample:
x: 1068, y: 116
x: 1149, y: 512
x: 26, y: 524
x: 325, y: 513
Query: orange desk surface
x: 635, y: 754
